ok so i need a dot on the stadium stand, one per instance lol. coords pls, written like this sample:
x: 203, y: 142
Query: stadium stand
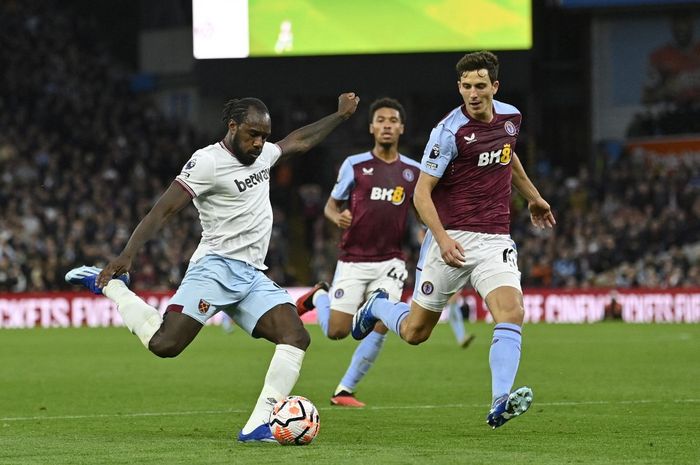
x: 83, y: 155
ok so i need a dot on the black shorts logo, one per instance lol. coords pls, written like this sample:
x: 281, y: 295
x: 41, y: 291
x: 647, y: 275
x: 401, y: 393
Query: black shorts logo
x: 339, y: 293
x: 427, y: 288
x: 510, y: 257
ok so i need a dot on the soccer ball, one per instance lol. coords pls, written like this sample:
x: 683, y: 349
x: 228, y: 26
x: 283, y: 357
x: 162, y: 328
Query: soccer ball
x: 294, y: 420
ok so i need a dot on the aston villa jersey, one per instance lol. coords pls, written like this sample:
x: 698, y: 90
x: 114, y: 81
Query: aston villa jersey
x: 473, y: 161
x: 379, y: 196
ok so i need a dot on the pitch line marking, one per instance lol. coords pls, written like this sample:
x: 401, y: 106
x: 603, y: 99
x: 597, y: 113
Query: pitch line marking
x: 393, y: 407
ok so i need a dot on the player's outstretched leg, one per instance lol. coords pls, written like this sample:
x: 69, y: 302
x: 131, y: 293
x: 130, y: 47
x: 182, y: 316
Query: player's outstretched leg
x: 87, y: 276
x: 305, y: 303
x: 141, y: 319
x: 379, y: 307
x: 509, y: 406
x: 364, y: 320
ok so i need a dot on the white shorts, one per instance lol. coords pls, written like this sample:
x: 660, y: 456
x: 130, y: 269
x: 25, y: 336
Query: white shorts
x: 491, y: 262
x: 354, y: 281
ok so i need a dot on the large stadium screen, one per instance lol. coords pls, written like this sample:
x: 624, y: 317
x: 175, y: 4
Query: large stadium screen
x: 268, y: 28
x: 621, y: 3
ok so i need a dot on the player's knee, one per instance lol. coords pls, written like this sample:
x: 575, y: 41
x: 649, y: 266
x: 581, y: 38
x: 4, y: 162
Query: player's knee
x: 164, y: 347
x: 338, y: 333
x: 298, y: 337
x: 415, y: 335
x: 514, y: 313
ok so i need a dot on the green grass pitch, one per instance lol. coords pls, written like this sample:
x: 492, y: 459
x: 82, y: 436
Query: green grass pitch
x: 604, y: 394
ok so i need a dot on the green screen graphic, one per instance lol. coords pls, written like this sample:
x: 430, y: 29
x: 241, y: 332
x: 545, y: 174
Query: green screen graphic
x: 339, y: 27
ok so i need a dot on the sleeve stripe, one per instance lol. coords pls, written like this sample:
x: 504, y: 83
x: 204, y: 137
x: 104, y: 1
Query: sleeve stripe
x: 185, y: 187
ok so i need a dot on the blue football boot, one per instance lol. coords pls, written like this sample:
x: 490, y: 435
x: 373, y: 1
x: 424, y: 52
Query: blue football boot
x: 87, y: 276
x: 510, y: 406
x: 260, y: 434
x: 363, y: 322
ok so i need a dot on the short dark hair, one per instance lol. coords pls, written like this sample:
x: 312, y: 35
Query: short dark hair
x: 478, y: 60
x: 237, y: 109
x: 387, y: 102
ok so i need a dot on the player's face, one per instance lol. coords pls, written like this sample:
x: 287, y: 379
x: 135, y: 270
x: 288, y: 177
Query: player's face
x: 250, y: 136
x: 386, y: 126
x: 477, y: 91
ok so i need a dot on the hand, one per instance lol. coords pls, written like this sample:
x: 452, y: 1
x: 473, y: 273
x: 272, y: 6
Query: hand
x: 344, y: 219
x: 452, y: 252
x: 541, y: 213
x: 119, y: 265
x: 347, y: 104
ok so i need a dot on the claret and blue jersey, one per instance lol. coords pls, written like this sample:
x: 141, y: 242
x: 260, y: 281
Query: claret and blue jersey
x: 379, y: 196
x: 473, y: 161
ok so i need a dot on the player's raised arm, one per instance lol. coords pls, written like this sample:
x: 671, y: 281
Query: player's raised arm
x: 540, y: 212
x: 303, y: 139
x: 172, y: 201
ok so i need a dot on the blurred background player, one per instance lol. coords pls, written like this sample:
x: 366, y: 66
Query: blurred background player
x: 370, y: 203
x: 613, y: 309
x: 285, y: 38
x: 463, y: 195
x: 227, y: 324
x: 229, y: 183
x: 457, y: 319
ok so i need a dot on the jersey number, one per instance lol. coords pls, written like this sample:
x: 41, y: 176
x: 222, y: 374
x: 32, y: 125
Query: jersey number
x: 510, y: 257
x: 400, y: 276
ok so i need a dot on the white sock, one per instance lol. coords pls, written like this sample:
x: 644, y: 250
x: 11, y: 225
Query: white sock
x: 342, y: 388
x: 279, y: 381
x: 141, y: 319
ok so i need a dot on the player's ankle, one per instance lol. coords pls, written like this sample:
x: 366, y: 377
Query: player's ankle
x: 317, y: 294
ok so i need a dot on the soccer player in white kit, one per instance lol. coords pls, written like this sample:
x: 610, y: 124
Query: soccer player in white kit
x: 463, y: 196
x: 229, y: 183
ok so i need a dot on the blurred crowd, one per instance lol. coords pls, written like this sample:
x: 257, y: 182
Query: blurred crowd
x: 83, y: 156
x: 665, y: 120
x: 633, y: 223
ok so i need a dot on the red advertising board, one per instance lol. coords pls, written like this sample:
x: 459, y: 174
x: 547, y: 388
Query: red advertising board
x: 666, y: 145
x: 588, y: 306
x: 77, y: 309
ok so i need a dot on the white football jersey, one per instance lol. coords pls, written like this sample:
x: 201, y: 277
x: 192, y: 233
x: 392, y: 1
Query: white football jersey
x: 233, y: 201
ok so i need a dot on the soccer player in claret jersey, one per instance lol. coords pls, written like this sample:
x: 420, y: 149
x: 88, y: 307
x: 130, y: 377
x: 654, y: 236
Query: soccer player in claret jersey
x: 229, y: 183
x: 370, y: 202
x: 463, y: 196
